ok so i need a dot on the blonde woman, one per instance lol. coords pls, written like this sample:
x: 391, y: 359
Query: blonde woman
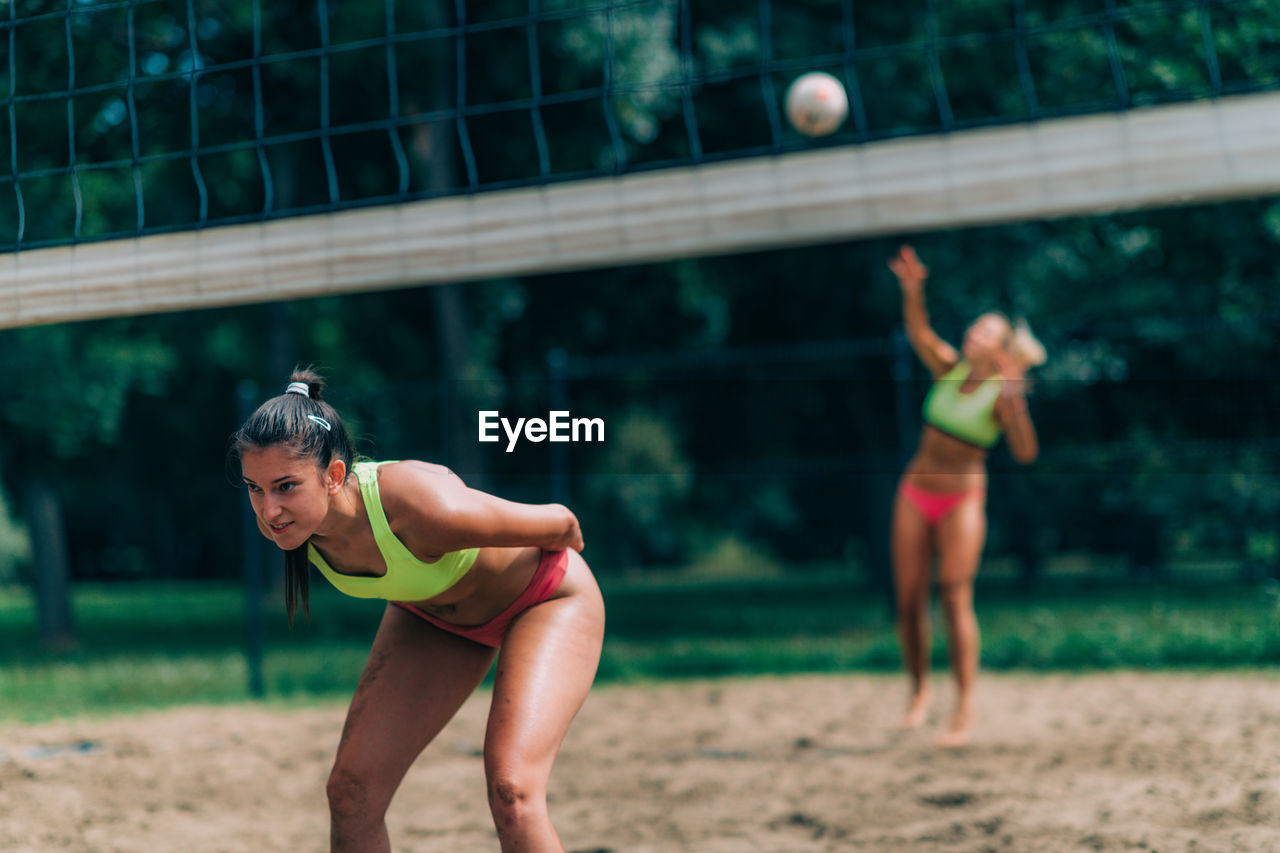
x: 940, y: 507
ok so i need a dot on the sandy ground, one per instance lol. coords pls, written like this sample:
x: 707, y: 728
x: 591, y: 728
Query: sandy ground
x: 1122, y: 761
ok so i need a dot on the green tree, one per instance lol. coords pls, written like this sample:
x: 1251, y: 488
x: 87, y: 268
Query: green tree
x: 1111, y: 294
x: 66, y: 404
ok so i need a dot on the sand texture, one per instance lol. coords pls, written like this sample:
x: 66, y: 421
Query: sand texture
x: 1117, y: 761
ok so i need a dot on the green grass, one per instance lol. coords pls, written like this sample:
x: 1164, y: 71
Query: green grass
x: 154, y: 645
x: 822, y: 623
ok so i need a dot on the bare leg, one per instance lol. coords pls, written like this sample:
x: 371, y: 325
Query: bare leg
x: 416, y: 679
x: 912, y: 551
x: 548, y: 661
x: 961, y: 537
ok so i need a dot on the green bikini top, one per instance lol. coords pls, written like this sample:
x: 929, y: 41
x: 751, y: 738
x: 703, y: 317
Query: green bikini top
x: 407, y: 577
x: 966, y: 416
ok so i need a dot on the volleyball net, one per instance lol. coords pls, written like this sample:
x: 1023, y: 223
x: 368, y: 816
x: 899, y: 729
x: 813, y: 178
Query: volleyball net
x: 340, y: 146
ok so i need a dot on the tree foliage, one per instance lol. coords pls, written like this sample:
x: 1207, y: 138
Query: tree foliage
x: 1156, y: 410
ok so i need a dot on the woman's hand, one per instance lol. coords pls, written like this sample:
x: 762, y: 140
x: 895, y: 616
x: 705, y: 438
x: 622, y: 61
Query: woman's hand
x: 1014, y: 387
x: 1011, y: 410
x: 937, y: 355
x: 575, y: 542
x: 910, y: 272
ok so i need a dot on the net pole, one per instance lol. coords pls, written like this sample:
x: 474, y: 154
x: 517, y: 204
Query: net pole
x: 254, y: 587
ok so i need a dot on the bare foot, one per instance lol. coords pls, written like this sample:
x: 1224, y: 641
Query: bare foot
x: 957, y: 733
x: 916, y: 710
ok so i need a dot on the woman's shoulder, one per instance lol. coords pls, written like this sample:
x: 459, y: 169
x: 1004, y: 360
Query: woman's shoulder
x: 414, y: 486
x: 410, y: 467
x: 417, y: 498
x: 957, y: 369
x: 415, y: 475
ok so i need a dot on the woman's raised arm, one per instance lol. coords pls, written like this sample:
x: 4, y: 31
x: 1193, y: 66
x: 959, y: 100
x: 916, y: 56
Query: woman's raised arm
x: 937, y: 355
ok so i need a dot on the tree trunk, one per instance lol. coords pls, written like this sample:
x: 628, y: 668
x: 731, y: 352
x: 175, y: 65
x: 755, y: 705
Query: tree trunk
x: 51, y: 580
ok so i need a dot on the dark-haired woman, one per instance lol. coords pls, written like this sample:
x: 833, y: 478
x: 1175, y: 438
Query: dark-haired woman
x: 940, y: 508
x: 464, y: 573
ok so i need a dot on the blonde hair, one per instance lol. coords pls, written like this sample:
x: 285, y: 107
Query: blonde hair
x: 1019, y: 341
x: 1023, y: 345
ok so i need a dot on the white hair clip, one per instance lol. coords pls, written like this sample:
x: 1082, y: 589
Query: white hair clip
x: 298, y: 388
x: 321, y: 421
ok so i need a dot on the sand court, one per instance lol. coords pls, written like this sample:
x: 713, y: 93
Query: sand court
x: 1114, y: 761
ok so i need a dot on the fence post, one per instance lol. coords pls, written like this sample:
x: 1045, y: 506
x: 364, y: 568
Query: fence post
x: 903, y: 420
x: 247, y: 394
x: 558, y: 394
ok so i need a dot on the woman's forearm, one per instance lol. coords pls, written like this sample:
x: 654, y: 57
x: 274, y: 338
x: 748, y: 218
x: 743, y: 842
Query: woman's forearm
x: 1021, y: 433
x: 571, y: 534
x: 915, y: 316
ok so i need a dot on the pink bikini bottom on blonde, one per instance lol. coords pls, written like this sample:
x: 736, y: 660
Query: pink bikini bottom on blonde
x: 934, y: 506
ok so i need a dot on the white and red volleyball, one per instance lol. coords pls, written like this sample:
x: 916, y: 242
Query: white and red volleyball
x: 816, y: 104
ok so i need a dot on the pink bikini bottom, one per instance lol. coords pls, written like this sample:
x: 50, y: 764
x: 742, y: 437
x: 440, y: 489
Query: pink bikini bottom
x: 934, y: 506
x: 546, y: 580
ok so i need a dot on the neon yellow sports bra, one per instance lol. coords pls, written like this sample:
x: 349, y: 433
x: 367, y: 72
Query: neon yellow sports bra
x: 407, y: 577
x: 966, y: 416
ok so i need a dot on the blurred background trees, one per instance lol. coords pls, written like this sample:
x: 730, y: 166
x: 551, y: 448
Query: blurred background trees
x: 752, y: 415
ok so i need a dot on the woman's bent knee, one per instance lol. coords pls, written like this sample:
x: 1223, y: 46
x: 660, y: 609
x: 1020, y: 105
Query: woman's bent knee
x: 912, y: 608
x: 514, y: 799
x: 350, y: 797
x: 956, y: 597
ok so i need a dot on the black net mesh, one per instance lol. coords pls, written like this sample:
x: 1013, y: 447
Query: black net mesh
x: 127, y: 118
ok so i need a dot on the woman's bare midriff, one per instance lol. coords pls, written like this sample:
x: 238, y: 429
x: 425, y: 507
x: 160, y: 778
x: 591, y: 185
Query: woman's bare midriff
x: 943, y: 463
x: 496, y: 579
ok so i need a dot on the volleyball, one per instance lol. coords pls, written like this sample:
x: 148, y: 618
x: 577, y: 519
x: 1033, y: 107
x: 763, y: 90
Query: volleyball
x: 816, y: 104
